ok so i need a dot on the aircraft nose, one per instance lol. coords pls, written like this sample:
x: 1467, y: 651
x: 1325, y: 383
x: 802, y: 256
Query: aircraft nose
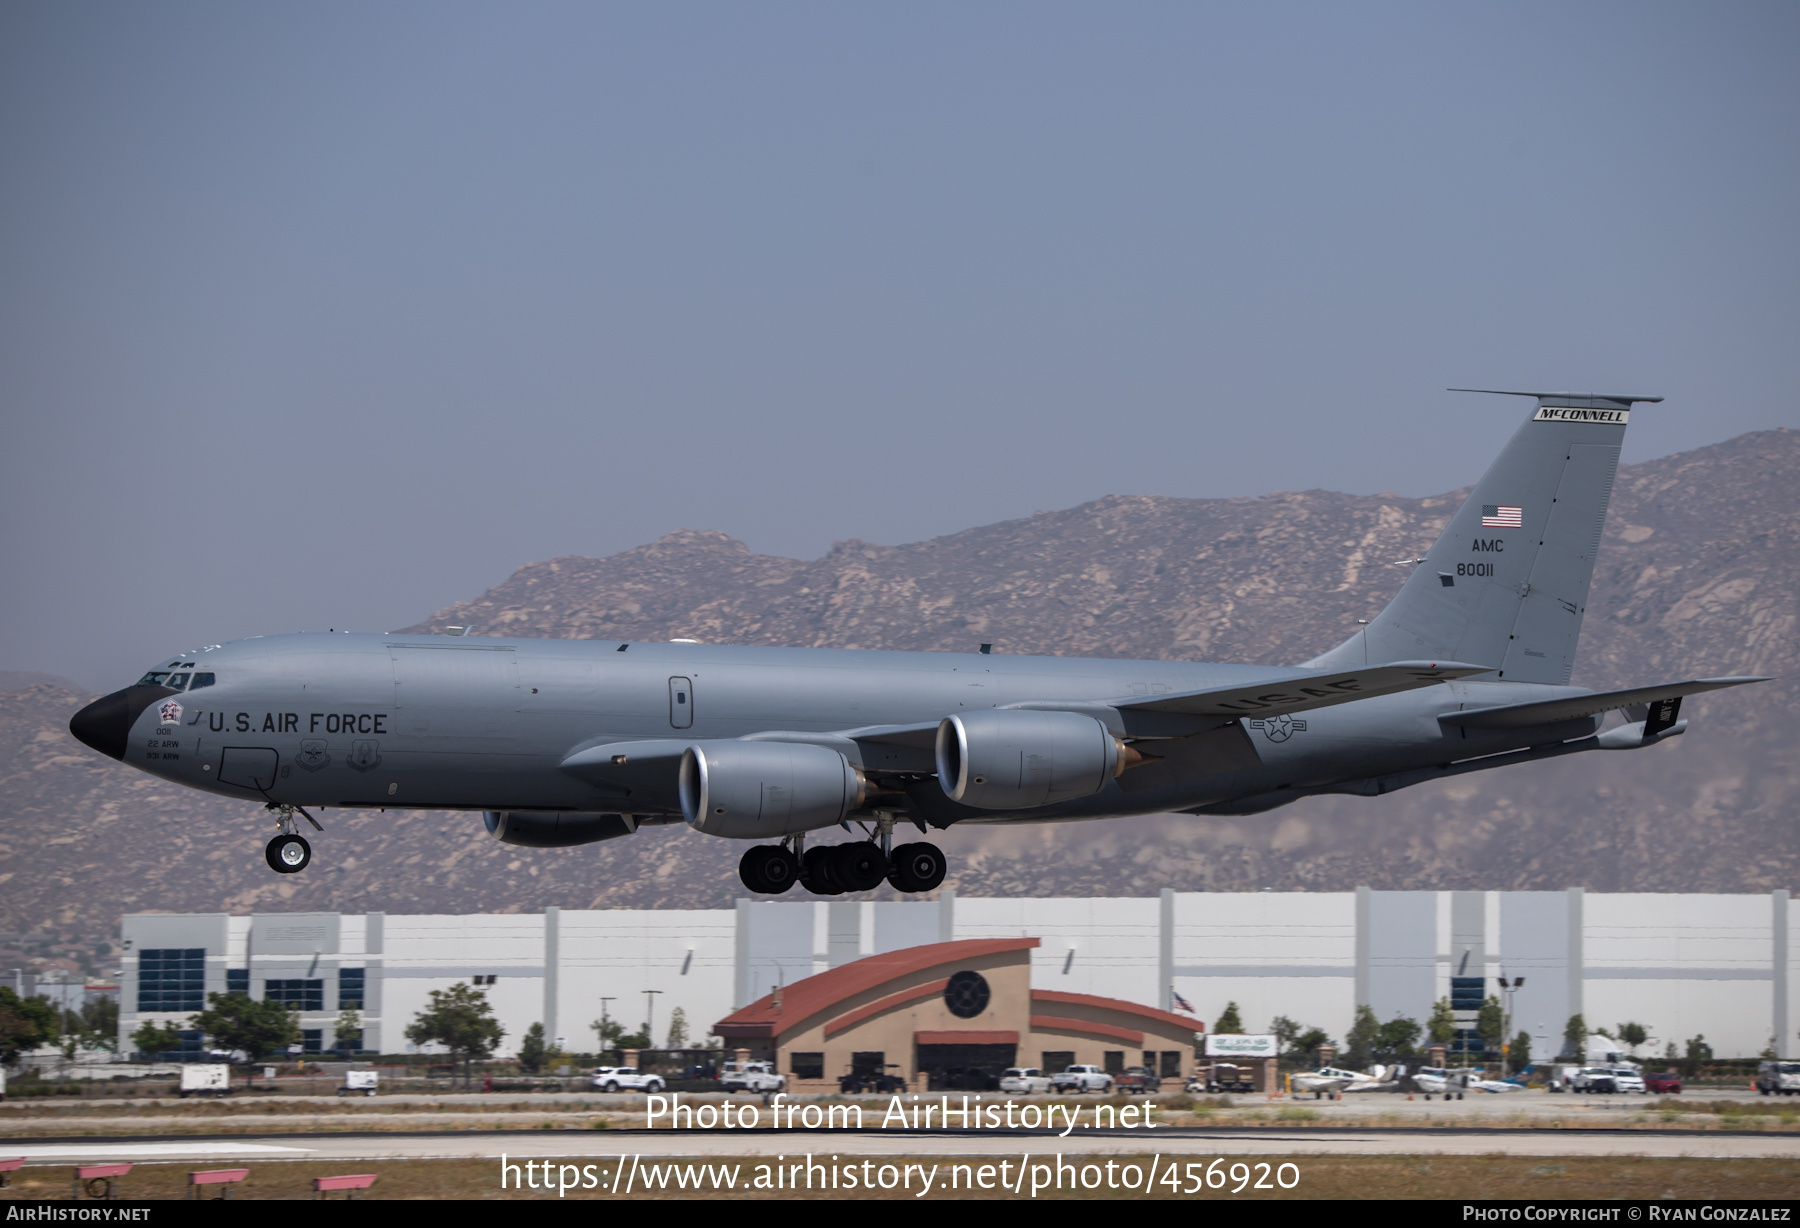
x: 105, y: 724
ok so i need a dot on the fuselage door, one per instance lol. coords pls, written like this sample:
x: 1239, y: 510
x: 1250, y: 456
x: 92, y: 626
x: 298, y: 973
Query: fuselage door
x: 681, y: 703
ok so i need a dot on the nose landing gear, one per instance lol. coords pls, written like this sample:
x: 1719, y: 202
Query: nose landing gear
x: 288, y: 852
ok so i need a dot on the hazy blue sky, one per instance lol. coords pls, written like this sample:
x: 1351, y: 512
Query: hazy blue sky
x: 330, y: 314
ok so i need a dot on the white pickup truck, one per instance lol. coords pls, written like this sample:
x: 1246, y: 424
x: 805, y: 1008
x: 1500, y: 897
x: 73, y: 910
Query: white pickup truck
x: 625, y: 1079
x: 1024, y: 1080
x: 751, y: 1077
x: 1778, y: 1078
x: 1082, y: 1079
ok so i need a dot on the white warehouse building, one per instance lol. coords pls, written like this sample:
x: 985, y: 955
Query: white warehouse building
x: 1683, y: 965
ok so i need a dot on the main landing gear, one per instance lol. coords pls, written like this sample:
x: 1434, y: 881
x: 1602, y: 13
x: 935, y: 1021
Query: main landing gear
x: 288, y: 852
x: 862, y: 865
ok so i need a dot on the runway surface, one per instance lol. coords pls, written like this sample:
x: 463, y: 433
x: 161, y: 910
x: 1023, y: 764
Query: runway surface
x: 610, y: 1144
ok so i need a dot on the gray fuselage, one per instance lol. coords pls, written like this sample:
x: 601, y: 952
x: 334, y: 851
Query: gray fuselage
x: 435, y: 722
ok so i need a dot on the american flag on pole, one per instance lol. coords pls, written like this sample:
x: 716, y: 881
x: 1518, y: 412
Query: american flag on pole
x: 1181, y: 1003
x: 1502, y: 516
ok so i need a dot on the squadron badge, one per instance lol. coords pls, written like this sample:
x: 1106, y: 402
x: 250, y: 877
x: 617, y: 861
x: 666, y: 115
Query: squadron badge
x: 169, y: 713
x: 312, y: 755
x: 364, y: 756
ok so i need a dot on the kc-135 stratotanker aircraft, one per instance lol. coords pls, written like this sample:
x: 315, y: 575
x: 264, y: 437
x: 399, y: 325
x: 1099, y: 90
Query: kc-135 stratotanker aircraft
x: 565, y: 742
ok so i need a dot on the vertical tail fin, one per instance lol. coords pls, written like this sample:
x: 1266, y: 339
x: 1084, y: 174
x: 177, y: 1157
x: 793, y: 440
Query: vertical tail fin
x: 1507, y: 582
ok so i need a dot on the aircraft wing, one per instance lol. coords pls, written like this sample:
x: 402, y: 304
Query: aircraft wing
x: 1549, y: 711
x: 1274, y: 696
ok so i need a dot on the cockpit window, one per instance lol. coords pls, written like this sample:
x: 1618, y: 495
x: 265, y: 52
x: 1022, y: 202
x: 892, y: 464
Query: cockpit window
x: 201, y: 680
x: 178, y: 681
x: 153, y: 678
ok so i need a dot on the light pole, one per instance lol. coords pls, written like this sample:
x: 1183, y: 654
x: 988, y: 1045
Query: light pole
x: 1518, y: 983
x: 604, y: 1020
x: 650, y: 1016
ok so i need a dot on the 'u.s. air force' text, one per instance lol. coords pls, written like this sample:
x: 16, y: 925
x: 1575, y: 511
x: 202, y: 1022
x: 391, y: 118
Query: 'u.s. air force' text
x: 289, y: 722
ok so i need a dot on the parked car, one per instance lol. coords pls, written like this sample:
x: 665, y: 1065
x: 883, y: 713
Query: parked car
x: 1223, y: 1077
x: 1139, y: 1080
x: 1082, y: 1079
x: 965, y: 1079
x: 1626, y: 1080
x: 1594, y: 1080
x: 625, y: 1079
x: 1778, y: 1078
x: 871, y: 1081
x: 1663, y: 1081
x: 1024, y: 1080
x: 751, y: 1077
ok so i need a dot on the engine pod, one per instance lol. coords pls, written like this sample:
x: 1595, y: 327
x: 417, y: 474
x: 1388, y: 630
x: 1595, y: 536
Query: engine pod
x: 1016, y: 759
x: 760, y: 790
x: 554, y: 829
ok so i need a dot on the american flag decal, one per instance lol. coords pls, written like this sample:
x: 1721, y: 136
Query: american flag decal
x: 1500, y: 516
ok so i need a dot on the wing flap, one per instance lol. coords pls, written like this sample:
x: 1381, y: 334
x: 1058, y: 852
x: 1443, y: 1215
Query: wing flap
x: 1549, y: 711
x: 1302, y: 691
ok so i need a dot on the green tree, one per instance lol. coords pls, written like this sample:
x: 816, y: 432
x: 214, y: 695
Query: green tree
x: 100, y: 1019
x: 1397, y: 1037
x: 25, y: 1023
x: 1490, y: 1023
x: 639, y: 1039
x: 1229, y: 1023
x: 609, y: 1031
x: 1286, y: 1031
x: 154, y: 1038
x: 238, y: 1021
x: 532, y: 1049
x: 348, y: 1031
x: 1519, y: 1056
x: 1306, y: 1046
x: 1441, y: 1027
x: 1575, y: 1034
x: 1361, y: 1039
x: 1631, y: 1035
x: 1698, y: 1051
x: 678, y: 1029
x: 460, y: 1019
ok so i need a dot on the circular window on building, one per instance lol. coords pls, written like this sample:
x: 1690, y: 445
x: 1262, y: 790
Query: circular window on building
x: 967, y: 994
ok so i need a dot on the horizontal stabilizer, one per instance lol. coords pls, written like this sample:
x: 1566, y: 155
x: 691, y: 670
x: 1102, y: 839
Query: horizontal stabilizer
x: 1300, y: 692
x: 1549, y: 711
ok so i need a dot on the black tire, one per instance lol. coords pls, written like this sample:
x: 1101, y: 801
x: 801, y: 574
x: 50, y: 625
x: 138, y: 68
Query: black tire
x: 781, y: 869
x: 610, y: 1087
x: 816, y: 871
x: 859, y: 866
x: 750, y: 869
x: 768, y: 869
x: 917, y: 867
x: 288, y: 854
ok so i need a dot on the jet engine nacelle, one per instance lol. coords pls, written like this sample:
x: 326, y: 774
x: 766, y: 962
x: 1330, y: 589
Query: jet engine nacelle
x: 760, y: 790
x: 550, y: 829
x: 1015, y: 759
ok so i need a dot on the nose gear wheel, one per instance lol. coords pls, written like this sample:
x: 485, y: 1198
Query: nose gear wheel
x: 288, y: 854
